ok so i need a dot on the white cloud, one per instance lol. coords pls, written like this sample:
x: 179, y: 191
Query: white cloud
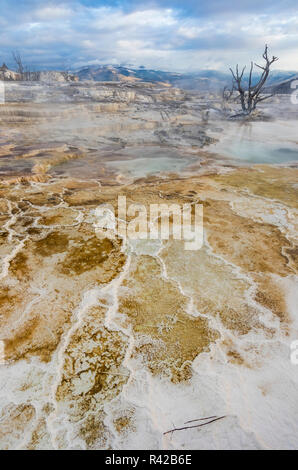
x: 135, y: 45
x: 53, y: 12
x: 155, y: 37
x: 111, y: 18
x: 188, y: 32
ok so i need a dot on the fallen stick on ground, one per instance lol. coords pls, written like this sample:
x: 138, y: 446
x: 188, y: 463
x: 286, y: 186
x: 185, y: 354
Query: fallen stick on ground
x: 195, y: 426
x: 199, y: 419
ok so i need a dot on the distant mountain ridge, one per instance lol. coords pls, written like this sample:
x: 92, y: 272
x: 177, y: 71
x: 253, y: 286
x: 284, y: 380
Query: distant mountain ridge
x: 202, y: 80
x: 119, y: 73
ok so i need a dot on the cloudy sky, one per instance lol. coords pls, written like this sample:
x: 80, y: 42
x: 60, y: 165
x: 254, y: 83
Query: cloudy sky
x: 184, y: 35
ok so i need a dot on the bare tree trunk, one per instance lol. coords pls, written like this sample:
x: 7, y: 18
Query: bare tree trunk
x: 226, y: 96
x: 19, y: 63
x: 251, y: 96
x: 24, y: 72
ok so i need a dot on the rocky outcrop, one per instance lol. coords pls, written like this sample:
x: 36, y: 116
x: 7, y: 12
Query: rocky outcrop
x: 44, y: 76
x: 56, y: 76
x: 6, y: 74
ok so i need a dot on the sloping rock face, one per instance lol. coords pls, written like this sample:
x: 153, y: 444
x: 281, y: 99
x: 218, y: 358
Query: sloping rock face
x: 285, y: 87
x: 54, y: 76
x: 70, y: 91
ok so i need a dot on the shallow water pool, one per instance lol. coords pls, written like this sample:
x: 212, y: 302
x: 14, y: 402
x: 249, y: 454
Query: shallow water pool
x: 258, y: 142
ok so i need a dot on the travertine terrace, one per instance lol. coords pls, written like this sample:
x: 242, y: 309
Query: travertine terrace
x: 108, y: 343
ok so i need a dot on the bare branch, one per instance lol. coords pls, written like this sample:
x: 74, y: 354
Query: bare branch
x: 18, y: 60
x: 23, y: 71
x: 264, y: 98
x: 199, y: 419
x: 195, y: 426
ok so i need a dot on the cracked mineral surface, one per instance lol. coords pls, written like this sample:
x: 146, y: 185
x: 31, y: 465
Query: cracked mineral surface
x: 108, y: 341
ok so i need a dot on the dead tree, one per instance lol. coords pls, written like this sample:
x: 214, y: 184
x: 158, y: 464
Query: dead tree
x: 24, y: 72
x: 19, y: 63
x: 226, y: 96
x: 250, y: 95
